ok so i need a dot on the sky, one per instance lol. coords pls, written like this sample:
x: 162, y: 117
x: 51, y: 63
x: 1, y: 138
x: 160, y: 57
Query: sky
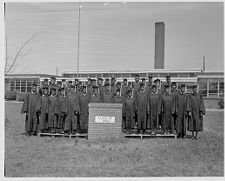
x: 113, y: 36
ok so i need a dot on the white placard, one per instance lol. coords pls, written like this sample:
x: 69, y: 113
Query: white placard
x: 104, y: 119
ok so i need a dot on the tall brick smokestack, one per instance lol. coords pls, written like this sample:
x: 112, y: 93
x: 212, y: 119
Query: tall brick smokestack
x: 159, y: 45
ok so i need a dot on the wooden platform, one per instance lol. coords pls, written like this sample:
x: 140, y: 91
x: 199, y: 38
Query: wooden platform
x: 63, y: 135
x: 125, y: 135
x: 150, y: 136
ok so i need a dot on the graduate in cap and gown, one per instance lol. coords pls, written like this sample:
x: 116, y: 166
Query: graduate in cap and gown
x: 70, y: 83
x: 182, y: 112
x: 149, y: 85
x: 107, y: 95
x: 196, y: 110
x: 153, y: 117
x: 136, y: 83
x: 174, y: 93
x: 73, y: 109
x: 117, y: 98
x: 129, y: 112
x: 30, y: 109
x: 43, y: 109
x: 53, y: 110
x: 100, y: 85
x: 167, y: 109
x: 63, y: 109
x: 124, y: 88
x: 52, y: 83
x: 83, y: 117
x: 58, y: 87
x: 142, y: 107
x: 95, y: 97
x: 44, y: 85
x: 89, y: 87
x: 76, y: 83
x: 113, y: 85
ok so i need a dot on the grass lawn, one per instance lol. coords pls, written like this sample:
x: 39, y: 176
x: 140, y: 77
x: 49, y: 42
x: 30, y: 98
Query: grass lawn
x: 73, y: 157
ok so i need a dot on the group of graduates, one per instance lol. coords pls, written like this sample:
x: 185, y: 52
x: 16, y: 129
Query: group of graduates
x: 148, y: 106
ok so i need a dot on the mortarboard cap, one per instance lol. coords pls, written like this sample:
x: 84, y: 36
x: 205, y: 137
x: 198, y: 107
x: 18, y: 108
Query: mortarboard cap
x: 113, y: 77
x: 95, y: 87
x: 166, y: 86
x: 53, y: 78
x: 182, y: 85
x: 124, y: 79
x: 129, y: 90
x: 63, y: 80
x: 34, y: 84
x: 173, y: 84
x: 45, y: 80
x: 99, y: 78
x: 76, y: 80
x: 70, y: 81
x: 143, y: 79
x: 156, y: 80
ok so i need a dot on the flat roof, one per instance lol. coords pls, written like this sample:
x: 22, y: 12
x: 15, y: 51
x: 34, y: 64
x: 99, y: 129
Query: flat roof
x: 135, y: 71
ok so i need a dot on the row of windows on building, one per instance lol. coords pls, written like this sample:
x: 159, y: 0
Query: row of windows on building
x: 208, y: 89
x: 212, y: 89
x: 120, y: 75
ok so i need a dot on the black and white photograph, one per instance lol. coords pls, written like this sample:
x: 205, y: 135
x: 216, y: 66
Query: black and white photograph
x: 113, y: 89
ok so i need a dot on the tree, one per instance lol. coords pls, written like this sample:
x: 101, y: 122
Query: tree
x: 8, y: 65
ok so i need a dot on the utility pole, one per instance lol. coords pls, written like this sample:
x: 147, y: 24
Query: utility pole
x: 78, y: 40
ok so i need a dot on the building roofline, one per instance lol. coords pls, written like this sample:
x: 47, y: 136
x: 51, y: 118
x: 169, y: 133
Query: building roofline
x: 136, y: 71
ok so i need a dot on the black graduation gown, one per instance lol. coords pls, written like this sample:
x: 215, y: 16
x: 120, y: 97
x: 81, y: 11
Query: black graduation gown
x: 124, y: 91
x: 153, y: 100
x: 166, y: 107
x: 73, y: 107
x: 195, y: 105
x: 117, y: 99
x: 43, y: 107
x: 53, y: 111
x: 30, y: 108
x: 107, y: 97
x: 95, y: 98
x: 182, y: 109
x: 129, y: 112
x: 84, y: 99
x: 142, y: 107
x: 63, y: 111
